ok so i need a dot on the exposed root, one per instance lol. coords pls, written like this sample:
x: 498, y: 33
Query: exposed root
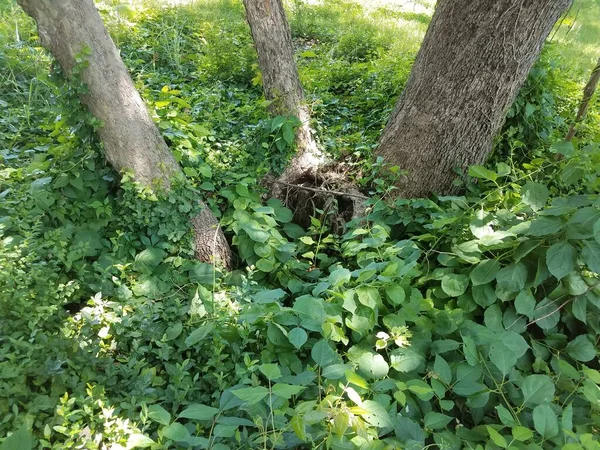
x: 326, y: 195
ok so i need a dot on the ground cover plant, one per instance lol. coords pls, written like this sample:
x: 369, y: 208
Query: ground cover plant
x: 463, y: 321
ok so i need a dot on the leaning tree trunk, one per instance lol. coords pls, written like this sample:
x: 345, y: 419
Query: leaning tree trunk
x: 281, y: 84
x: 130, y: 137
x: 474, y: 58
x: 588, y: 93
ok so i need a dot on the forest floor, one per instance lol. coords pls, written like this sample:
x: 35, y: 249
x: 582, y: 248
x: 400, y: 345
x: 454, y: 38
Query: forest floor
x: 470, y: 321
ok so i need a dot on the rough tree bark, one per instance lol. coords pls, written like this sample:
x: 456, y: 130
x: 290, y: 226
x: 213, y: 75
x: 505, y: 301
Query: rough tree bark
x: 588, y: 93
x: 131, y: 139
x: 281, y: 83
x: 475, y: 56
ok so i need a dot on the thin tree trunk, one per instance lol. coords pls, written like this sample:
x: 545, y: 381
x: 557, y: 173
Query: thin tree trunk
x: 474, y: 58
x: 131, y: 139
x: 281, y: 84
x: 588, y: 93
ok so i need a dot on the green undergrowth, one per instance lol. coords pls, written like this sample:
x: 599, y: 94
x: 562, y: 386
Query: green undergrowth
x: 452, y: 322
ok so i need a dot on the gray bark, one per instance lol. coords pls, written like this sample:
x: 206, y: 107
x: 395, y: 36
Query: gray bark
x: 475, y: 56
x: 281, y: 83
x: 131, y: 139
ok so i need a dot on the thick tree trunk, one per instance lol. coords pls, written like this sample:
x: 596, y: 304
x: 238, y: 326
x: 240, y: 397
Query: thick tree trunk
x: 130, y: 137
x: 281, y: 84
x: 474, y: 58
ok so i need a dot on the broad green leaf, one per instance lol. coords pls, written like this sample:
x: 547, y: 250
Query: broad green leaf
x: 564, y: 147
x: 545, y: 421
x: 544, y: 226
x: 535, y: 195
x: 581, y: 224
x: 496, y: 437
x: 581, y: 349
x: 339, y: 277
x: 505, y: 416
x: 159, y: 414
x: 434, y: 420
x: 409, y: 430
x: 442, y: 368
x: 455, y: 284
x: 396, y: 294
x: 255, y: 231
x: 485, y: 272
x: 271, y: 371
x: 135, y: 440
x: 269, y: 296
x: 591, y: 255
x: 335, y: 371
x: 368, y: 296
x: 251, y: 395
x: 512, y: 277
x: 537, y: 389
x: 297, y: 337
x: 323, y: 354
x: 150, y: 258
x: 176, y: 432
x: 286, y: 391
x: 21, y: 439
x: 466, y: 388
x: 199, y: 334
x: 560, y: 259
x: 405, y: 360
x: 522, y: 434
x: 373, y: 364
x: 198, y: 411
x: 376, y: 414
x: 525, y: 303
x: 482, y: 172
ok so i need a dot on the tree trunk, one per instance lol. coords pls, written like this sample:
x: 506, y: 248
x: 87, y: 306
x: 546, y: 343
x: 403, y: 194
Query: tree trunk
x: 474, y: 58
x: 281, y: 84
x: 588, y: 93
x: 130, y: 137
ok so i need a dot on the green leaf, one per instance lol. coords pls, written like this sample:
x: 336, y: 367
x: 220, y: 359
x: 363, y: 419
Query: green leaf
x: 522, y: 434
x: 22, y: 439
x: 591, y: 255
x: 544, y: 226
x: 286, y: 391
x: 560, y: 259
x: 373, y: 364
x: 535, y: 195
x: 442, y: 368
x: 482, y: 172
x: 505, y: 415
x: 368, y: 296
x: 525, y: 303
x: 150, y: 258
x: 581, y: 224
x: 537, y: 389
x: 255, y: 231
x: 159, y: 414
x: 271, y: 371
x: 406, y: 360
x: 265, y: 265
x: 376, y: 414
x: 176, y: 432
x: 485, y: 272
x: 137, y: 440
x: 251, y: 395
x: 199, y: 334
x: 408, y: 430
x: 545, y: 421
x: 270, y: 296
x: 396, y: 294
x: 435, y: 420
x: 565, y: 148
x: 467, y: 388
x: 513, y: 277
x: 455, y: 284
x: 496, y: 437
x: 323, y: 354
x: 198, y: 411
x: 571, y: 173
x: 581, y: 349
x: 335, y: 371
x: 339, y: 276
x: 288, y: 133
x: 297, y: 337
